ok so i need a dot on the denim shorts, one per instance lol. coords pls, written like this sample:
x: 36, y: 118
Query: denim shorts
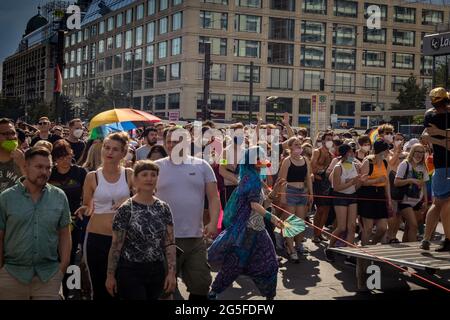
x: 296, y: 196
x: 344, y: 200
x: 440, y: 185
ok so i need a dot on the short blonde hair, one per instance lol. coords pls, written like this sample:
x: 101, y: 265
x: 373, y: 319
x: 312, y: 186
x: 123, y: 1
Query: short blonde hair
x: 410, y: 156
x: 45, y: 144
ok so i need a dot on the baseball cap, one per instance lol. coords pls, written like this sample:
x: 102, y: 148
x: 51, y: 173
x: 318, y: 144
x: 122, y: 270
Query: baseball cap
x: 439, y: 94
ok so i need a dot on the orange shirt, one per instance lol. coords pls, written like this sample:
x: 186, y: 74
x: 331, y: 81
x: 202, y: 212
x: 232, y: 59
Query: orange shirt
x: 379, y: 171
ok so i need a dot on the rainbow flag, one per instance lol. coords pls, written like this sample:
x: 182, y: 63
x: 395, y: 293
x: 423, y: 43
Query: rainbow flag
x: 373, y: 135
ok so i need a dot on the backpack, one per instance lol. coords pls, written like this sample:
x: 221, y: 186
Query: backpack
x: 398, y: 193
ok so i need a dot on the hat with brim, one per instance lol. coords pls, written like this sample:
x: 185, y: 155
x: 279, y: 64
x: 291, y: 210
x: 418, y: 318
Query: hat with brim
x: 380, y: 146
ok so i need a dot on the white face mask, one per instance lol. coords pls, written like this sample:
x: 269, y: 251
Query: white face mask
x: 398, y: 142
x: 77, y: 133
x: 389, y: 138
x: 365, y: 148
x: 329, y: 144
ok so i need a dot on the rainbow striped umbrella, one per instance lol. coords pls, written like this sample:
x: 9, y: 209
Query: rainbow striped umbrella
x: 119, y: 120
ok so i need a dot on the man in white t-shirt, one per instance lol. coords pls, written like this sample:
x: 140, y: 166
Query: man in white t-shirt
x: 150, y: 137
x: 183, y: 186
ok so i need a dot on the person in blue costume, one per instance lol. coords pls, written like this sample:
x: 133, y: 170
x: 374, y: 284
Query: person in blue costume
x: 244, y: 247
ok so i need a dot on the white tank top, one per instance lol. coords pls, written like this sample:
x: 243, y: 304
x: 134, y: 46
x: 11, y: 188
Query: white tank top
x: 347, y: 174
x: 107, y: 194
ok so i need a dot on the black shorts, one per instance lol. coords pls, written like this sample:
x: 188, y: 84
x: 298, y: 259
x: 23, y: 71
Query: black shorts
x: 372, y: 209
x: 417, y: 207
x: 343, y: 199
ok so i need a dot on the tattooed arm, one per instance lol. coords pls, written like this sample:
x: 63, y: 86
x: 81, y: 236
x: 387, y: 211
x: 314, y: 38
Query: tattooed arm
x: 118, y: 239
x: 171, y: 251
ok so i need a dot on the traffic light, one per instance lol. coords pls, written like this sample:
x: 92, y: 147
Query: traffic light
x: 322, y: 84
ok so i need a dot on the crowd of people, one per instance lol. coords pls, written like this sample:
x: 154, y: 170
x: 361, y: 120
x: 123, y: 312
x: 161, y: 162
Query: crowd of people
x: 139, y: 217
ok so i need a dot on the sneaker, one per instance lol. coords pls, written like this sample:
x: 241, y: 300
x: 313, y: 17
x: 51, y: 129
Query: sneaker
x: 350, y: 261
x: 294, y: 258
x: 445, y: 246
x: 425, y: 245
x: 329, y: 255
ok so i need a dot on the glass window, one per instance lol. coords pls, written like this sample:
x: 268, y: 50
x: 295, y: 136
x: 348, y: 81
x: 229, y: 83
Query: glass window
x: 383, y: 9
x: 129, y: 16
x: 304, y: 106
x: 148, y: 78
x: 280, y: 53
x: 241, y: 73
x: 67, y: 42
x: 345, y: 108
x: 177, y: 21
x: 286, y: 5
x: 163, y: 5
x: 174, y: 101
x: 149, y: 55
x: 247, y: 48
x: 139, y: 35
x: 93, y: 50
x: 313, y: 31
x: 160, y: 102
x: 101, y: 65
x: 138, y: 59
x: 345, y: 82
x: 118, y: 61
x: 371, y: 106
x: 128, y: 61
x: 280, y: 78
x: 427, y: 83
x: 163, y: 25
x: 427, y: 66
x: 176, y: 46
x: 137, y: 85
x: 108, y: 63
x: 374, y: 58
x: 247, y: 23
x: 375, y: 35
x: 281, y: 105
x: 79, y: 52
x: 402, y: 60
x: 101, y: 46
x: 404, y: 38
x: 345, y: 8
x: 119, y: 20
x: 162, y: 50
x: 310, y: 80
x: 93, y: 30
x: 128, y: 39
x: 242, y: 103
x: 151, y: 7
x: 118, y: 40
x: 175, y: 70
x: 72, y: 56
x: 249, y: 3
x: 110, y: 43
x: 150, y: 32
x: 217, y: 101
x: 373, y: 81
x: 86, y: 34
x: 161, y: 74
x: 213, y: 20
x: 224, y: 2
x: 432, y: 17
x: 101, y: 27
x: 140, y: 12
x: 344, y: 35
x: 218, y: 46
x: 405, y: 15
x: 110, y: 24
x: 217, y: 71
x: 79, y: 36
x: 314, y: 6
x: 397, y: 82
x: 281, y: 29
x: 176, y: 2
x: 313, y: 57
x: 343, y: 59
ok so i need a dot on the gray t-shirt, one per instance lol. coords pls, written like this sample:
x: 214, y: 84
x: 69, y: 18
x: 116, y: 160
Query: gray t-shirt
x: 142, y: 152
x: 183, y: 187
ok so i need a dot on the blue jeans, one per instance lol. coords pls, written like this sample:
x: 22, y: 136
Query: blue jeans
x: 296, y: 196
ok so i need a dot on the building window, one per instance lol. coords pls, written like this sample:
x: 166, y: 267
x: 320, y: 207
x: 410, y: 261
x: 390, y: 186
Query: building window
x: 137, y: 84
x: 138, y: 59
x: 343, y: 59
x: 281, y: 29
x: 129, y: 16
x: 79, y: 36
x: 175, y: 70
x: 86, y: 35
x: 345, y: 8
x: 93, y: 51
x: 432, y: 17
x: 174, y: 101
x: 101, y: 27
x: 286, y: 5
x: 161, y: 74
x: 402, y: 60
x: 67, y: 41
x: 176, y: 2
x: 128, y: 61
x: 314, y: 6
x: 139, y: 36
x: 213, y: 20
x: 101, y: 65
x: 151, y: 7
x: 149, y: 55
x: 160, y: 102
x: 163, y: 4
x: 148, y: 78
x: 118, y: 61
x: 371, y: 106
x: 397, y: 82
x: 383, y: 9
x: 404, y: 38
x: 118, y: 41
x: 345, y: 82
x: 217, y: 71
x: 374, y: 58
x: 177, y: 21
x: 247, y: 23
x: 101, y: 46
x: 110, y: 43
x: 176, y: 46
x: 310, y: 79
x: 280, y: 53
x: 224, y: 2
x: 163, y: 25
x: 405, y: 15
x: 93, y: 31
x: 247, y: 48
x: 249, y: 3
x: 218, y: 46
x: 162, y: 50
x: 140, y: 12
x: 110, y: 26
x: 128, y: 39
x: 427, y: 83
x: 280, y: 78
x: 372, y: 82
x: 375, y: 35
x: 345, y: 108
x: 313, y: 57
x: 79, y: 52
x: 108, y: 63
x: 150, y: 32
x: 313, y: 31
x: 304, y: 106
x: 241, y: 73
x: 217, y: 101
x: 242, y: 103
x: 427, y: 66
x: 282, y: 105
x: 344, y: 35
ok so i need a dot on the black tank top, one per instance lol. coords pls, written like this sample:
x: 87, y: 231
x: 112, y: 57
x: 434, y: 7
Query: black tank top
x: 297, y: 173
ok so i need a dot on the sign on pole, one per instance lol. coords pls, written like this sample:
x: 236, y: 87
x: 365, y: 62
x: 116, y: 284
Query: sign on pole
x: 319, y: 113
x: 174, y: 116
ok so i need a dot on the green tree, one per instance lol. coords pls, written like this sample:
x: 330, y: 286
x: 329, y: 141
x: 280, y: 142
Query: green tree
x: 11, y: 108
x: 410, y: 97
x: 100, y: 100
x: 39, y: 109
